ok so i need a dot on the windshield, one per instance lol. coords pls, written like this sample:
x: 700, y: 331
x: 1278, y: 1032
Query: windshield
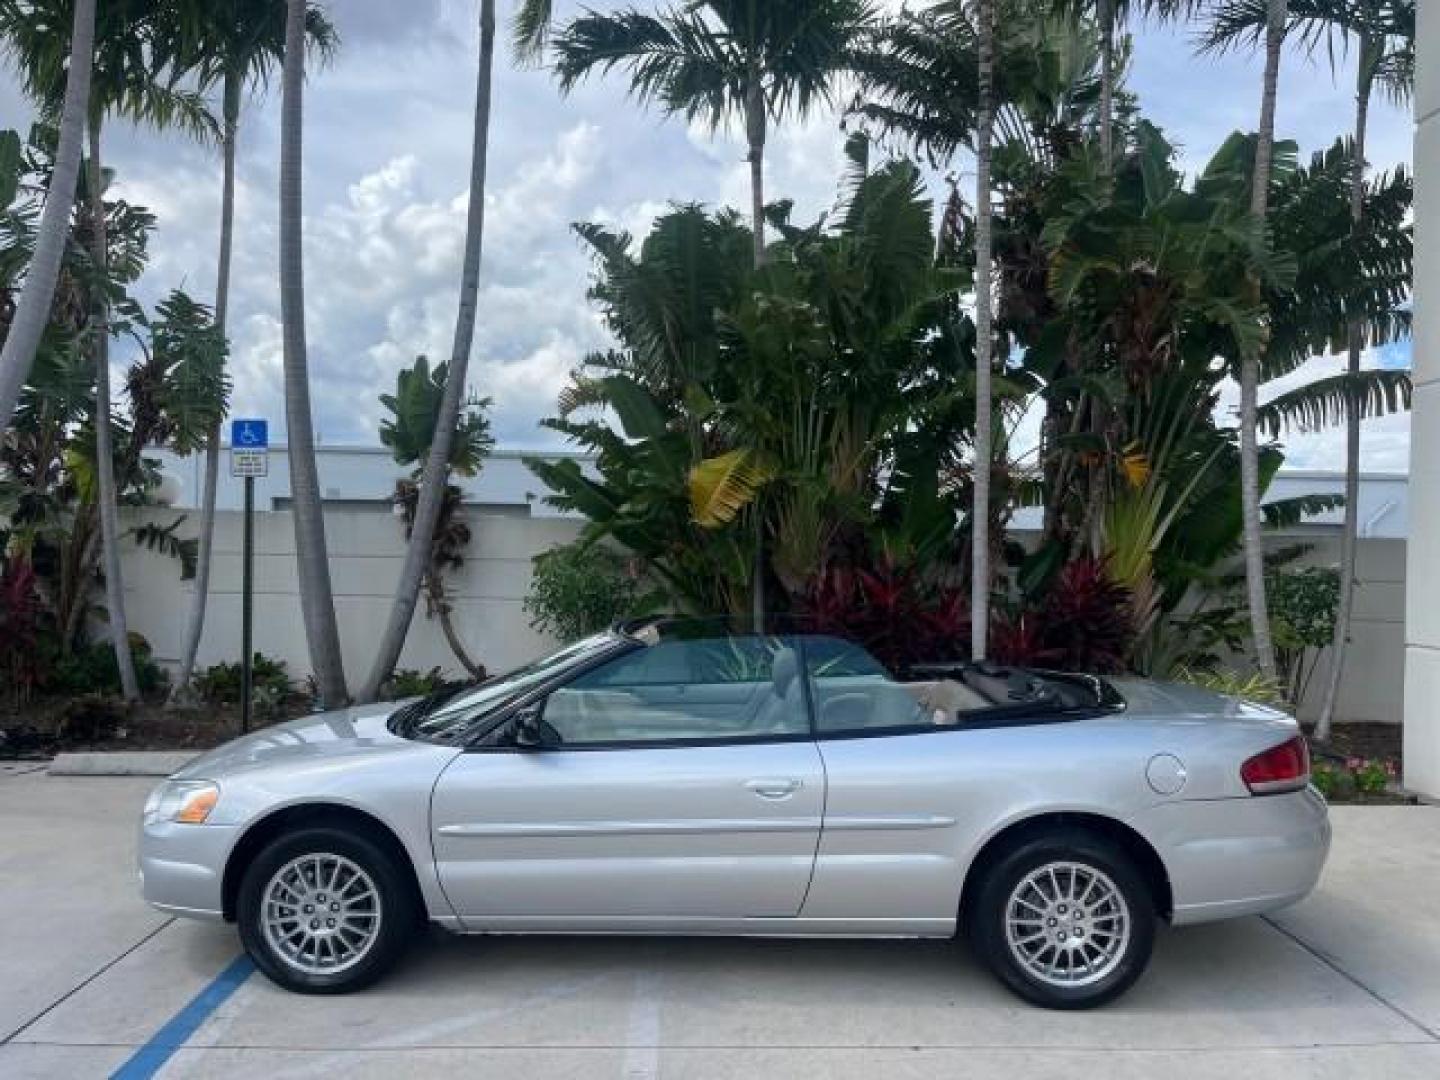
x: 443, y: 717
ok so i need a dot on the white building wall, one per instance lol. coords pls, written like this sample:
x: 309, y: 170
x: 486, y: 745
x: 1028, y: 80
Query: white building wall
x: 1422, y: 610
x: 1375, y: 660
x: 366, y: 550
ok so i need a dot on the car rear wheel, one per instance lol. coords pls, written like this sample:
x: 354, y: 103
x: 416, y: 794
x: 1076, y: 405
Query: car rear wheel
x: 1064, y: 920
x: 324, y: 911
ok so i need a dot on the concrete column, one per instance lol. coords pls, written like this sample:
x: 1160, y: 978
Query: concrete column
x: 1422, y: 595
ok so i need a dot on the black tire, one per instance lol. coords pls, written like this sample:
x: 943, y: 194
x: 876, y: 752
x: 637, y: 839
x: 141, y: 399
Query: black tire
x: 986, y: 919
x: 397, y: 909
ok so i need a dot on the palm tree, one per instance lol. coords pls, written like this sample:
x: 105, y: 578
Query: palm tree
x: 411, y: 433
x: 1108, y: 15
x: 717, y: 59
x: 232, y: 43
x: 317, y: 604
x: 1384, y: 35
x: 32, y: 313
x: 1275, y: 15
x: 434, y: 480
x: 980, y: 514
x: 128, y: 78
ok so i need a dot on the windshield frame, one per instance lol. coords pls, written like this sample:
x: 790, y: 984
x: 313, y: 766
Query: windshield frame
x: 477, y: 709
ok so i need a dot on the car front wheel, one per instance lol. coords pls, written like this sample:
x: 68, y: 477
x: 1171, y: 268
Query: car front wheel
x: 1064, y: 920
x: 324, y: 911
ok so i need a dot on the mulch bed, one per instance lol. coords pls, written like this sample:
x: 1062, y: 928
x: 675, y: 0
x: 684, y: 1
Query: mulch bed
x: 46, y: 728
x: 1363, y: 741
x: 1367, y: 741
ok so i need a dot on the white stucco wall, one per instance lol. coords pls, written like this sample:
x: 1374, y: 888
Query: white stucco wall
x: 366, y: 549
x: 1422, y: 609
x: 1375, y: 660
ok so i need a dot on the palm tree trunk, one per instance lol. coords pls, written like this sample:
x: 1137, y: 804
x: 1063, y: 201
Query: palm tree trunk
x: 195, y: 623
x: 755, y: 118
x: 440, y: 605
x: 1350, y: 533
x: 105, y: 492
x: 32, y: 313
x: 755, y: 136
x: 436, y: 474
x: 980, y: 512
x: 1250, y: 365
x: 1106, y: 11
x: 317, y: 604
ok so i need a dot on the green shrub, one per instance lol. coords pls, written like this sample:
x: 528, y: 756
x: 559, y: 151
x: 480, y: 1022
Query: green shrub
x: 412, y: 682
x: 1303, y: 605
x: 91, y: 669
x: 580, y: 589
x: 1332, y: 781
x: 219, y: 684
x: 1354, y: 776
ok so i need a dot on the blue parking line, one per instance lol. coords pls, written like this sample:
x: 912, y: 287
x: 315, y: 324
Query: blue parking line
x: 150, y: 1058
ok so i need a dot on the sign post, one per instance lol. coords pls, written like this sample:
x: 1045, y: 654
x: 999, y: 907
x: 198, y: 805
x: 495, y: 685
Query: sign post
x: 249, y: 458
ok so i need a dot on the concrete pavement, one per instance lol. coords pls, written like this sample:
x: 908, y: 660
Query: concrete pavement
x: 1341, y: 986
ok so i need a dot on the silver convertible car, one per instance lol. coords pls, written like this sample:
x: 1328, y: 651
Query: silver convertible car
x: 671, y: 778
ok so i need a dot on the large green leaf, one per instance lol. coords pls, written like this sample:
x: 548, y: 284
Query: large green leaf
x: 722, y: 486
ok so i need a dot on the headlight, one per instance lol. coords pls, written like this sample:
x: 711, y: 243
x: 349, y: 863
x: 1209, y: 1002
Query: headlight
x: 186, y: 801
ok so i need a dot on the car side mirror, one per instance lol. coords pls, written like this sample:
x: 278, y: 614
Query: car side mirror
x: 529, y: 731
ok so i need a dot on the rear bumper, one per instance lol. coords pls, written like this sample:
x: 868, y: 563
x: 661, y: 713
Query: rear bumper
x: 182, y: 867
x: 1231, y: 857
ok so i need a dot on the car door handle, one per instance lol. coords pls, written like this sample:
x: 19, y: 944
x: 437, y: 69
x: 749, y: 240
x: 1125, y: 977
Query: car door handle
x: 774, y: 788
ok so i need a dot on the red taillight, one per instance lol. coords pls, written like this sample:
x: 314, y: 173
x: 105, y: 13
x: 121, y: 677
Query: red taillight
x: 1281, y: 768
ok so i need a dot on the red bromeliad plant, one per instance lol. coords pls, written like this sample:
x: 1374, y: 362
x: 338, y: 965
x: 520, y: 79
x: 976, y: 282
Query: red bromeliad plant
x: 1020, y: 640
x: 19, y: 629
x: 900, y: 619
x: 1086, y: 615
x: 1082, y: 623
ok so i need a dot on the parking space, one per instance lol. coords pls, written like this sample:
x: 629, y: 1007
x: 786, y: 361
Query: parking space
x: 1341, y: 986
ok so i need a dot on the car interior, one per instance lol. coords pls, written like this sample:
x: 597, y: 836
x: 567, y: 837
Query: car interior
x: 749, y: 686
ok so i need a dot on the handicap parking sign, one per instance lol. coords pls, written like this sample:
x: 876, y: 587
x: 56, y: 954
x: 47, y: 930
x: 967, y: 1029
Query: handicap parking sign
x: 249, y: 448
x: 250, y: 434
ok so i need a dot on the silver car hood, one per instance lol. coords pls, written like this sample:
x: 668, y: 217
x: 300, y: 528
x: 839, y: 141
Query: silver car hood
x: 344, y: 732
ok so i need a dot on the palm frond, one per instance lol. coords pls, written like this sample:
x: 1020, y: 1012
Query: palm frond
x: 161, y: 538
x: 1327, y: 401
x: 721, y: 487
x: 1287, y: 513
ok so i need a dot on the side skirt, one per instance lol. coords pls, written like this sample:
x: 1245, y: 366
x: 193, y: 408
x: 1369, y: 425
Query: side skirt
x: 652, y: 925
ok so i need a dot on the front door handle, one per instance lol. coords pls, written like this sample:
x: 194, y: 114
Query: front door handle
x: 774, y: 787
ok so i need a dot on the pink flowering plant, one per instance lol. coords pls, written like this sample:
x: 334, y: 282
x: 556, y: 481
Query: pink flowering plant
x: 1353, y: 776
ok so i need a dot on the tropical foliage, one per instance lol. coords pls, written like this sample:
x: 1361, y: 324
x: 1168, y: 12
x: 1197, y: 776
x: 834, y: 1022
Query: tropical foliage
x: 176, y: 390
x: 813, y: 422
x: 577, y: 590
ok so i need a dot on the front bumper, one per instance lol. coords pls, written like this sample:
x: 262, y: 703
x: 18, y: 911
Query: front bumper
x: 1231, y: 857
x: 182, y: 867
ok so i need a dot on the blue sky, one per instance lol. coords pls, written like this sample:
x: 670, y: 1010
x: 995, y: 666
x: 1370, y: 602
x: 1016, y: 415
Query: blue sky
x: 387, y: 144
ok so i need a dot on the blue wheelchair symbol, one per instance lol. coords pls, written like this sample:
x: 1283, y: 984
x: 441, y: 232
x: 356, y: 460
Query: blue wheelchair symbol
x: 250, y: 434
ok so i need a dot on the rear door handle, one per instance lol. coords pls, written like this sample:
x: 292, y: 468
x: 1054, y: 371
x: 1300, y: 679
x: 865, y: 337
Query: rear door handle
x: 774, y: 787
